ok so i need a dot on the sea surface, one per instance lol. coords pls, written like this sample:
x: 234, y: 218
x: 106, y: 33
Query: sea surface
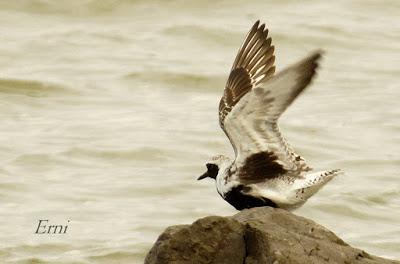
x: 108, y: 112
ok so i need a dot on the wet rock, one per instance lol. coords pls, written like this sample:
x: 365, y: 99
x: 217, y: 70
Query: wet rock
x: 258, y: 235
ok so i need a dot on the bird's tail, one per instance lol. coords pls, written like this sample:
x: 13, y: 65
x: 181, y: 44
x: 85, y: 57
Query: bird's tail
x: 313, y: 182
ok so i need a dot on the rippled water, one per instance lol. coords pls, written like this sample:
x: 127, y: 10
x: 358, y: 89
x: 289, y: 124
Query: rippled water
x: 108, y: 112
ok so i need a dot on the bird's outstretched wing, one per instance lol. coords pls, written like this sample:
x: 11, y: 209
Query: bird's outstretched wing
x: 253, y: 64
x: 253, y: 100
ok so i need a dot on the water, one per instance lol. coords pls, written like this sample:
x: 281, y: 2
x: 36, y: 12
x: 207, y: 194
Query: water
x: 108, y: 112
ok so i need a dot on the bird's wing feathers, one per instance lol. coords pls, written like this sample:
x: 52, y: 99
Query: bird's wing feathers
x: 253, y: 64
x: 252, y: 103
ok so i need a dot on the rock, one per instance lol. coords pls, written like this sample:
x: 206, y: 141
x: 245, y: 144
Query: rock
x: 213, y: 239
x: 258, y: 235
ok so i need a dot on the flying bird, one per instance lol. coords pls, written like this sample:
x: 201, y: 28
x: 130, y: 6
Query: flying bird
x: 266, y: 171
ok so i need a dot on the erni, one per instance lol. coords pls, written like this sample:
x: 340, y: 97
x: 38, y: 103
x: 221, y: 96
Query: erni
x: 43, y: 228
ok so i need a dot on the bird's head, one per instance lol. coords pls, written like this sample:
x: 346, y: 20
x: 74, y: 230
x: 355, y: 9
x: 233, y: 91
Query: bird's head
x: 214, y: 165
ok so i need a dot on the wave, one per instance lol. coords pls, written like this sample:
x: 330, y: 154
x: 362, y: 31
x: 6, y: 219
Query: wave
x: 72, y: 7
x: 30, y: 87
x: 141, y: 154
x: 179, y: 80
x: 117, y: 257
x: 203, y: 33
x: 95, y: 7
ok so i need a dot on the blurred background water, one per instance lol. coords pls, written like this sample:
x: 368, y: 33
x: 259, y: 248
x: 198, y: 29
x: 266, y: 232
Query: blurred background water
x: 108, y: 111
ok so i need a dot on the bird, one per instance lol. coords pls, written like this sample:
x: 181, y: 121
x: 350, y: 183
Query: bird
x: 265, y: 171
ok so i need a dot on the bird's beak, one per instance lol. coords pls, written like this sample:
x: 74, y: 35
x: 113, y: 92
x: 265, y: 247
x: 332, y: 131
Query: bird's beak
x: 205, y: 175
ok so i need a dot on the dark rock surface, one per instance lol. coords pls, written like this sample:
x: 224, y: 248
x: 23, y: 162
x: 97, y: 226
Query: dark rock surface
x: 259, y: 235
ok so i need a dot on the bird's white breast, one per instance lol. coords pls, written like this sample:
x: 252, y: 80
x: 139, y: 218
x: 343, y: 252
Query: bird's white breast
x: 225, y: 181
